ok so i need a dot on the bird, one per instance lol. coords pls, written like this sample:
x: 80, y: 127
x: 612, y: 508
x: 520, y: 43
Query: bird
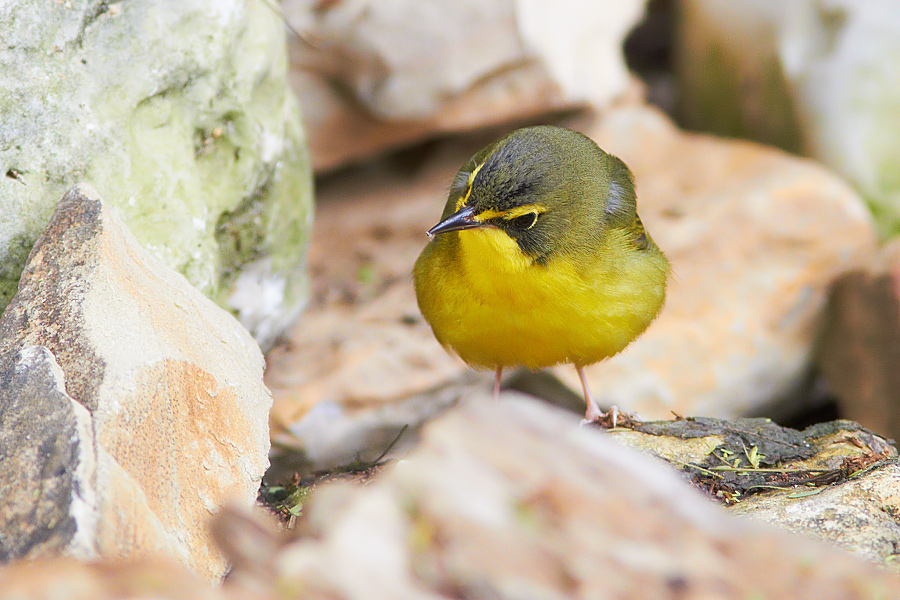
x: 540, y: 258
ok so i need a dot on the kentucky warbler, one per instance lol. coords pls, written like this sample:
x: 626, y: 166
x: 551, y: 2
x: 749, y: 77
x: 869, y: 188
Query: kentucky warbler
x: 540, y: 258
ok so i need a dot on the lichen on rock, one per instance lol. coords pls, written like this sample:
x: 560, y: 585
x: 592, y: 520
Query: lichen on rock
x: 179, y: 114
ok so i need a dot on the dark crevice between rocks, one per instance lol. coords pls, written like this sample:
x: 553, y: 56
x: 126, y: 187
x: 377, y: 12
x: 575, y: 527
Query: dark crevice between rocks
x: 16, y: 175
x: 649, y: 53
x: 285, y: 500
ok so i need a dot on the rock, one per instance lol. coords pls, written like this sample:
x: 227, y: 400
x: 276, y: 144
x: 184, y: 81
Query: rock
x: 376, y: 74
x: 860, y: 345
x: 835, y: 481
x: 133, y: 407
x: 74, y: 580
x: 730, y: 79
x: 508, y: 499
x: 331, y: 437
x: 180, y: 115
x: 513, y: 499
x: 737, y: 334
x: 817, y: 77
x: 857, y: 516
x: 44, y: 462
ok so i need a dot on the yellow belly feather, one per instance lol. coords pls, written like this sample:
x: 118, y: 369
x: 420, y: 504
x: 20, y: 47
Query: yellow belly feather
x: 494, y: 306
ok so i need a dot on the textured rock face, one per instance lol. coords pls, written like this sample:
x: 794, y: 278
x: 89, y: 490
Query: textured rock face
x: 375, y: 74
x: 180, y: 101
x: 857, y: 516
x: 835, y: 481
x: 148, y: 410
x: 42, y: 435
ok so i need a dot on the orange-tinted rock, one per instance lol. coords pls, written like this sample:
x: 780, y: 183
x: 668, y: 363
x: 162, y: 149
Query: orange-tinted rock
x: 162, y: 413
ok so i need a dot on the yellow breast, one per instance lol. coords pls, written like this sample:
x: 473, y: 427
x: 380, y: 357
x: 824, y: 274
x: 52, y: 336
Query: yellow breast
x: 495, y: 306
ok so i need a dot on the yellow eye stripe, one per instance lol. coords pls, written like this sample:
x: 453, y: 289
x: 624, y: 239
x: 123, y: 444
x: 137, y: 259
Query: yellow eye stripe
x: 510, y: 214
x: 465, y: 197
x: 490, y: 213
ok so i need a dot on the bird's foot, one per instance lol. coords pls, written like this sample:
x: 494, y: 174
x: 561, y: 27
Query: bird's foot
x: 611, y: 419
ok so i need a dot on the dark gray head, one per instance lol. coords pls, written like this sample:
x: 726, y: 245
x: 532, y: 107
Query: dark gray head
x: 548, y: 188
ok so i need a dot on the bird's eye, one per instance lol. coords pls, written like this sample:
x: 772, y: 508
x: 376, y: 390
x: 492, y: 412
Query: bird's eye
x: 525, y: 221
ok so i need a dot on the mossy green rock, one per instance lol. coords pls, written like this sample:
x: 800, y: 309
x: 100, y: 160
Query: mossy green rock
x: 178, y: 113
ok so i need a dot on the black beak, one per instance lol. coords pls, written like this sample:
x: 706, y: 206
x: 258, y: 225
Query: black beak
x: 461, y: 219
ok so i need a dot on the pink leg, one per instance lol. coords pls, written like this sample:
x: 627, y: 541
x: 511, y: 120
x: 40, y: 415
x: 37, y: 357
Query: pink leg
x: 497, y: 382
x: 593, y: 412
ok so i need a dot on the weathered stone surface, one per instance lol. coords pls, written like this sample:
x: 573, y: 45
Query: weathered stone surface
x: 514, y: 500
x: 163, y: 417
x: 754, y: 236
x: 44, y: 454
x: 180, y: 115
x: 835, y: 481
x: 730, y: 79
x: 813, y: 76
x: 376, y: 74
x: 859, y: 515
